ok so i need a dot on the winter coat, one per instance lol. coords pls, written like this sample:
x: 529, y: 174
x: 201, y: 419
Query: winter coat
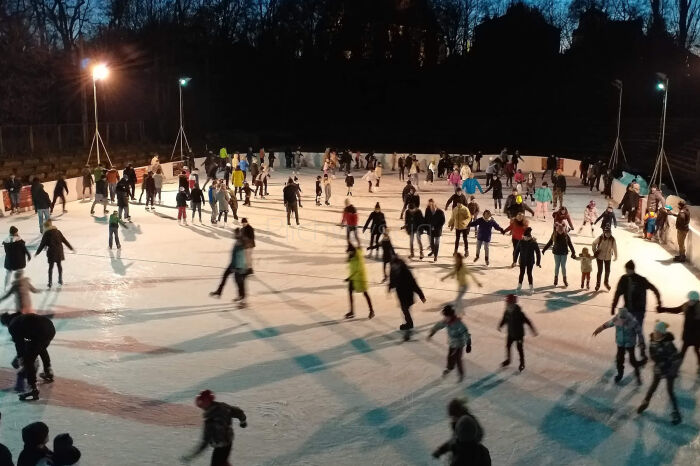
x: 349, y: 216
x: 131, y: 174
x: 53, y: 240
x: 630, y: 201
x: 122, y: 191
x: 435, y: 220
x: 586, y: 263
x: 543, y: 194
x: 387, y: 250
x: 41, y: 199
x: 349, y: 181
x: 113, y: 176
x: 465, y: 445
x: 31, y: 327
x: 87, y: 176
x: 413, y: 221
x: 114, y: 221
x: 457, y: 198
x: 604, y: 248
x: 454, y: 179
x: 560, y: 183
x: 497, y: 188
x: 101, y: 187
x: 222, y: 199
x: 218, y: 428
x: 517, y: 228
x: 60, y: 187
x: 376, y: 222
x: 413, y: 199
x: 691, y: 324
x: 485, y: 228
x: 551, y: 163
x: 238, y: 178
x: 626, y: 331
x: 665, y: 356
x: 13, y: 186
x: 559, y: 242
x: 655, y: 200
x: 150, y: 185
x: 561, y: 216
x: 529, y: 250
x: 16, y: 254
x: 290, y: 194
x: 608, y: 219
x: 590, y: 214
x: 633, y: 288
x: 457, y: 333
x: 197, y: 195
x: 460, y: 217
x: 683, y: 220
x: 515, y: 319
x: 358, y: 273
x: 470, y: 185
x: 401, y: 279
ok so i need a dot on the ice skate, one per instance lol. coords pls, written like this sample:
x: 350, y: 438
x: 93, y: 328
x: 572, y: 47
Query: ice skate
x: 47, y: 375
x: 532, y: 290
x: 371, y: 315
x: 607, y: 286
x: 445, y: 373
x: 556, y: 281
x: 476, y: 258
x: 566, y: 284
x: 505, y: 363
x: 349, y: 315
x: 618, y: 378
x: 215, y: 294
x: 521, y: 367
x: 643, y: 406
x: 675, y: 418
x: 31, y: 394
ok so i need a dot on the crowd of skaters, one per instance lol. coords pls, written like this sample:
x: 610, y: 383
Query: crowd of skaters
x: 228, y: 177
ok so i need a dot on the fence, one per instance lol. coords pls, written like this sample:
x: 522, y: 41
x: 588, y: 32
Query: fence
x: 35, y: 139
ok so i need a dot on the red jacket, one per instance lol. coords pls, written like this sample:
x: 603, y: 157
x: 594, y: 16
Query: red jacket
x: 349, y: 217
x: 517, y: 229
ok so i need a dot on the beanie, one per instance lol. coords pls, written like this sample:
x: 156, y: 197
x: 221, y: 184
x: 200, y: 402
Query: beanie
x: 467, y: 429
x: 511, y: 299
x: 376, y: 206
x: 629, y: 265
x: 694, y: 296
x: 661, y: 327
x: 35, y: 434
x: 206, y: 396
x: 528, y: 231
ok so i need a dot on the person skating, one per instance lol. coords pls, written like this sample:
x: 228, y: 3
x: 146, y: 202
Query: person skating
x: 101, y: 195
x: 586, y: 260
x: 517, y: 227
x: 218, y: 428
x: 143, y: 187
x: 327, y: 188
x: 530, y: 186
x: 406, y: 195
x: 123, y: 198
x: 247, y: 191
x: 682, y: 229
x: 462, y: 274
x: 181, y: 203
x: 607, y: 218
x: 150, y: 186
x: 633, y: 288
x: 604, y: 250
x: 64, y: 453
x: 465, y: 445
x: 129, y: 174
x: 32, y: 335
x: 402, y: 280
x: 35, y: 436
x: 691, y: 324
x: 551, y: 166
x: 114, y: 222
x: 457, y: 198
x: 232, y: 202
x: 459, y: 220
x: 627, y: 332
x: 559, y: 185
x: 413, y: 225
x: 607, y: 184
x: 485, y: 225
x: 211, y: 194
x: 248, y: 237
x: 376, y: 222
x: 319, y: 190
x: 59, y: 192
x: 514, y: 204
x: 238, y: 177
x: 649, y: 225
x: 112, y: 177
x: 655, y: 199
x: 290, y: 195
x: 238, y: 267
x: 456, y: 180
x: 590, y: 214
x: 357, y: 280
x: 13, y: 186
x: 471, y: 184
x: 221, y: 195
x: 458, y: 339
x: 561, y: 215
x: 349, y: 183
x: 497, y: 188
x: 515, y: 319
x: 53, y: 240
x: 529, y: 251
x: 560, y: 242
x: 371, y: 178
x: 87, y: 180
x: 21, y: 289
x: 42, y: 204
x: 402, y: 168
x: 183, y: 180
x: 435, y: 219
x: 666, y: 363
x: 197, y: 200
x: 543, y: 196
x: 630, y: 203
x: 16, y: 254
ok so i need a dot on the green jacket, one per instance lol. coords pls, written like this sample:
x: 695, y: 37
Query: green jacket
x: 543, y: 195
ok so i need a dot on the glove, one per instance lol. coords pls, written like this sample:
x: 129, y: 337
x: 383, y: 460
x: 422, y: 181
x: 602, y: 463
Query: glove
x: 469, y: 347
x: 244, y: 424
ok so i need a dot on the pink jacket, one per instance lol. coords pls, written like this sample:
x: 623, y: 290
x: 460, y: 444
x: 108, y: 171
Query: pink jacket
x: 590, y: 214
x: 454, y: 179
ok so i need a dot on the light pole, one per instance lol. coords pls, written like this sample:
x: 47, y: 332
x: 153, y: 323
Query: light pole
x: 181, y: 136
x: 617, y: 148
x: 99, y: 73
x: 662, y: 85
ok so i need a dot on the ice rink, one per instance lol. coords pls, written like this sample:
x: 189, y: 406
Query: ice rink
x: 138, y: 337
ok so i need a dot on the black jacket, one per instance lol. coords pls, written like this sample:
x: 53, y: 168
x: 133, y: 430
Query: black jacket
x: 197, y: 195
x: 60, y: 187
x: 457, y: 198
x: 387, y: 250
x: 376, y: 222
x: 53, y: 240
x: 691, y: 325
x: 608, y: 219
x: 33, y: 327
x: 349, y: 181
x: 13, y: 186
x: 551, y: 163
x: 560, y: 183
x: 559, y: 242
x: 122, y: 191
x: 633, y: 288
x: 435, y: 221
x: 131, y: 174
x: 16, y: 254
x: 290, y: 193
x: 150, y: 185
x: 665, y: 356
x: 413, y: 199
x: 41, y: 199
x: 515, y: 319
x: 497, y: 187
x: 101, y: 187
x: 413, y: 221
x: 248, y: 233
x: 402, y: 279
x: 529, y: 250
x: 181, y: 199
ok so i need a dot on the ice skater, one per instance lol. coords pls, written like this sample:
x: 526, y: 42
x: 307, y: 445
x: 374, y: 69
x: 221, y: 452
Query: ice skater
x: 402, y: 280
x: 486, y: 224
x: 218, y: 429
x: 543, y: 196
x: 357, y: 280
x: 515, y: 320
x: 16, y: 254
x: 666, y: 363
x: 53, y: 240
x: 21, y: 287
x: 590, y: 214
x: 327, y: 188
x: 586, y: 260
x: 238, y: 266
x: 627, y: 332
x: 458, y: 339
x: 691, y: 324
x: 377, y: 224
x: 181, y: 202
x: 349, y: 183
x: 465, y: 445
x: 459, y: 220
x: 517, y: 227
x: 462, y: 273
x: 59, y: 192
x: 114, y: 222
x: 413, y: 225
x: 497, y: 188
x: 529, y: 251
x: 607, y: 218
x: 435, y: 219
x: 197, y: 199
x: 560, y: 242
x: 319, y: 191
x: 604, y: 251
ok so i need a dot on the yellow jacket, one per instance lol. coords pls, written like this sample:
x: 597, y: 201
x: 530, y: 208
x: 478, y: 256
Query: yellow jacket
x: 358, y: 274
x: 460, y: 217
x: 462, y: 274
x: 238, y: 178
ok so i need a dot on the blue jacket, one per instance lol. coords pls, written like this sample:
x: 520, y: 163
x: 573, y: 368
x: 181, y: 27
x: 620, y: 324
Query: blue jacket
x: 485, y: 228
x: 211, y: 195
x: 238, y: 257
x: 457, y: 333
x: 626, y: 331
x: 470, y: 185
x: 243, y: 164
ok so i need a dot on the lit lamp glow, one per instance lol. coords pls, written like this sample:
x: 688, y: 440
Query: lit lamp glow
x: 100, y: 72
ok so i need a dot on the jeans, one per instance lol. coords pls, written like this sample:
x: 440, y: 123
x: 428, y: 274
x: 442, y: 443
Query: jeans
x: 57, y: 196
x: 114, y: 233
x: 214, y: 211
x: 112, y: 191
x: 124, y: 210
x: 526, y: 268
x: 669, y: 389
x: 464, y: 234
x: 416, y: 235
x: 225, y: 214
x: 44, y: 215
x: 640, y: 318
x: 620, y: 360
x: 602, y: 264
x: 454, y: 358
x: 197, y: 207
x: 293, y: 208
x: 14, y: 200
x: 486, y: 248
x: 560, y: 261
x: 240, y: 283
x: 434, y: 244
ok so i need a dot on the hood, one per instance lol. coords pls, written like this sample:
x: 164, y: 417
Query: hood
x: 468, y: 429
x: 668, y: 336
x: 12, y: 239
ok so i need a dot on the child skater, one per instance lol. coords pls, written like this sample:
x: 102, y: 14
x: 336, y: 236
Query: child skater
x: 586, y: 267
x: 21, y: 287
x: 649, y: 225
x: 462, y: 273
x: 370, y: 177
x: 319, y: 191
x: 115, y: 221
x: 590, y: 214
x: 349, y: 182
x: 485, y: 225
x: 387, y: 252
x: 457, y: 339
x: 515, y: 319
x: 666, y: 363
x: 519, y: 179
x: 691, y: 324
x: 627, y: 332
x: 247, y: 191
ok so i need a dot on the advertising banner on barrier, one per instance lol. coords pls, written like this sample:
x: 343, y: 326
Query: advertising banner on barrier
x: 25, y: 199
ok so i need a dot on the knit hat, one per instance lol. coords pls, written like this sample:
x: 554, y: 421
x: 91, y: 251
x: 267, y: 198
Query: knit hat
x: 694, y: 296
x: 511, y: 299
x: 629, y: 265
x: 64, y: 452
x: 35, y: 434
x: 661, y: 327
x: 591, y: 204
x: 206, y: 396
x: 376, y: 206
x: 528, y: 231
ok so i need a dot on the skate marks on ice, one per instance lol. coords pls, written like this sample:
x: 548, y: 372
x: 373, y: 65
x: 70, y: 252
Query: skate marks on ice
x: 80, y: 395
x: 125, y: 344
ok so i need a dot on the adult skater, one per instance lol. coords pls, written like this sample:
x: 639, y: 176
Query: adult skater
x: 666, y: 363
x: 414, y: 225
x: 213, y: 205
x: 197, y: 199
x: 112, y: 177
x: 238, y: 267
x: 402, y: 168
x: 357, y: 280
x: 87, y: 180
x: 559, y: 184
x: 435, y: 219
x: 114, y: 222
x: 238, y: 177
x: 326, y: 188
x: 101, y: 195
x: 32, y: 335
x: 13, y: 186
x: 42, y: 204
x: 604, y: 250
x: 607, y: 218
x: 459, y: 220
x: 517, y: 227
x: 377, y: 224
x: 53, y: 240
x: 551, y: 166
x: 349, y: 220
x: 497, y: 188
x: 628, y: 332
x: 465, y: 445
x: 129, y: 174
x: 16, y: 254
x: 406, y: 196
x: 349, y: 183
x: 123, y: 198
x: 149, y: 184
x: 458, y: 339
x: 248, y: 236
x: 630, y: 203
x: 457, y: 198
x: 485, y: 225
x: 655, y: 199
x: 515, y: 320
x: 691, y: 325
x: 633, y: 287
x: 560, y: 242
x: 290, y: 194
x: 59, y: 192
x: 529, y: 252
x: 401, y: 279
x: 218, y: 428
x: 462, y: 273
x: 682, y: 229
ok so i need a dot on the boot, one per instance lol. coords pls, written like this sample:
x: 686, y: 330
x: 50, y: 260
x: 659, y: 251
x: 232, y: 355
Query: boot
x: 371, y: 313
x: 521, y: 367
x: 618, y: 377
x: 349, y: 315
x: 565, y: 282
x: 505, y: 363
x: 476, y: 258
x: 47, y: 375
x: 556, y: 281
x: 215, y: 294
x: 532, y: 289
x: 519, y: 288
x: 31, y: 394
x: 21, y: 384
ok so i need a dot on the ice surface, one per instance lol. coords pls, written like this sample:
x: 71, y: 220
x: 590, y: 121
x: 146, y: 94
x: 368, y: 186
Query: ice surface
x: 138, y: 337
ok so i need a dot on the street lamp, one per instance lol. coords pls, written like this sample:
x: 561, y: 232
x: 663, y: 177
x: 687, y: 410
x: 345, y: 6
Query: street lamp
x: 181, y: 136
x: 100, y: 72
x: 662, y: 86
x: 617, y: 148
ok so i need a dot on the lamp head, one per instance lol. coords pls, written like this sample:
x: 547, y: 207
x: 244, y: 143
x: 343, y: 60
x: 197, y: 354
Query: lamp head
x: 660, y: 86
x: 100, y: 72
x: 184, y: 81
